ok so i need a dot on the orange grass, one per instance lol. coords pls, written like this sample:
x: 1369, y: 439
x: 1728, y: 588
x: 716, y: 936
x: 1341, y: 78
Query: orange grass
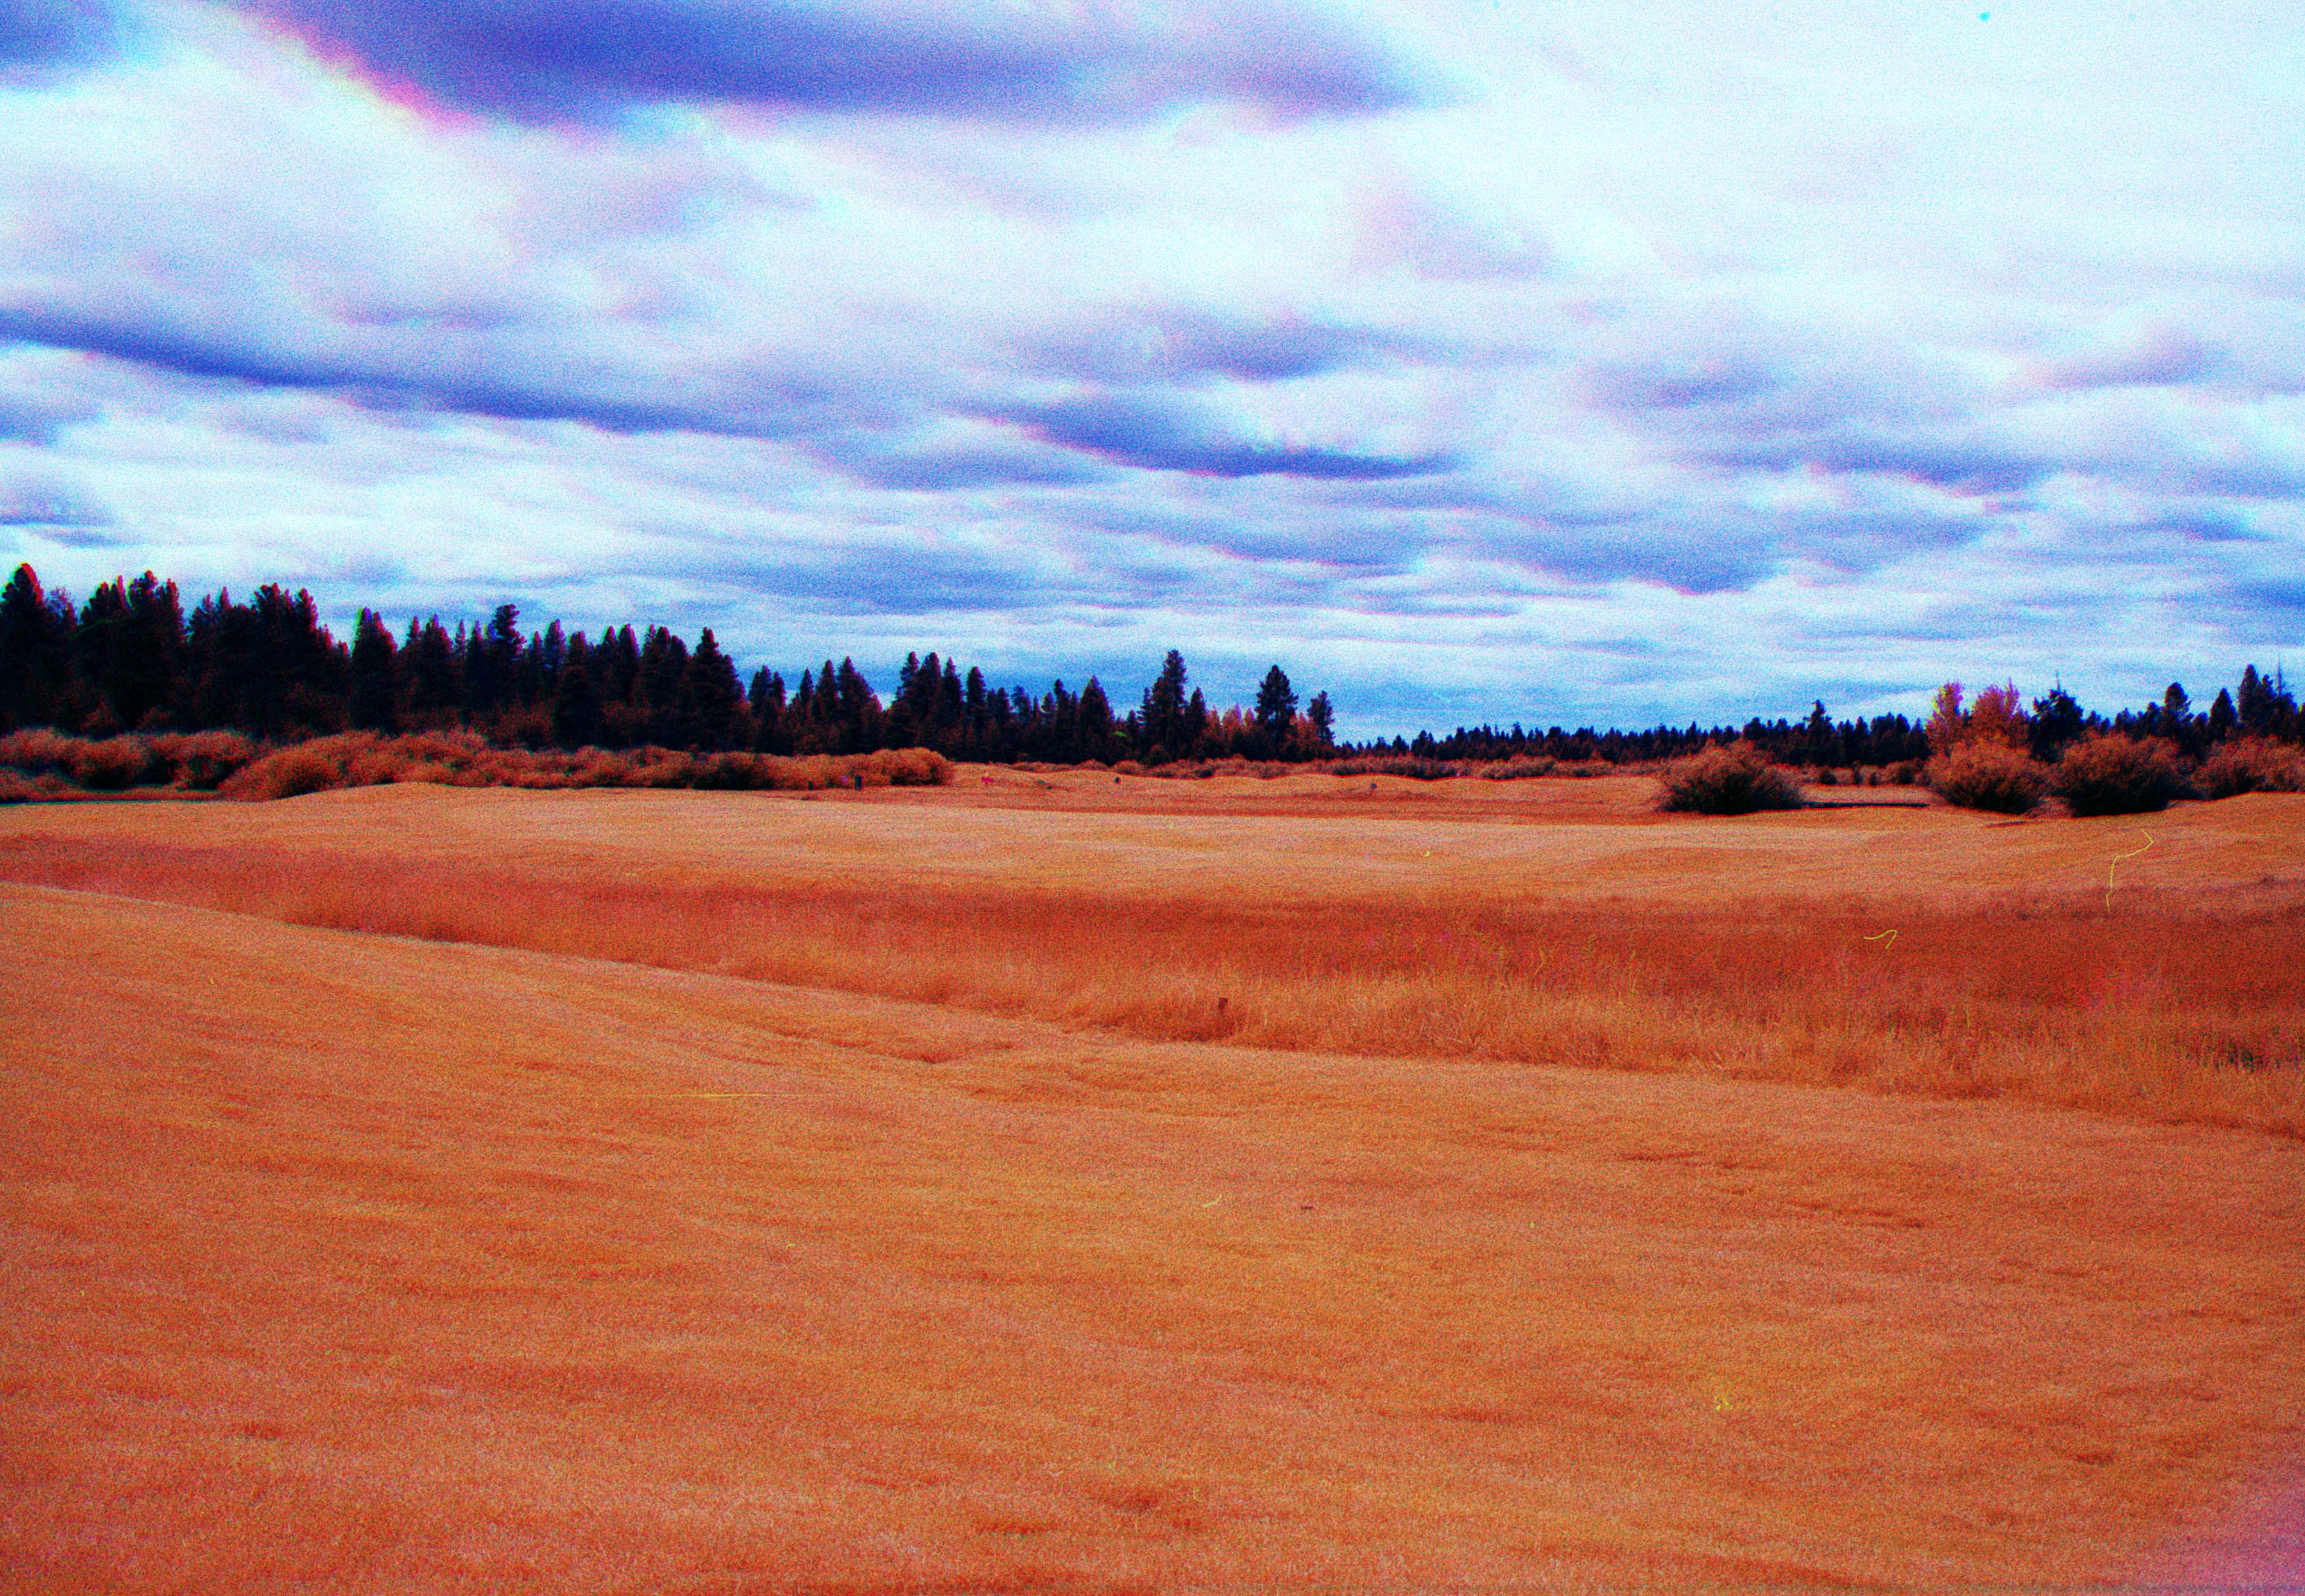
x: 2161, y: 1008
x: 341, y: 1262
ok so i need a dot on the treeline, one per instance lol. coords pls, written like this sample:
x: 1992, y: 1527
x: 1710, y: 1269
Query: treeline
x: 2262, y: 706
x: 130, y: 659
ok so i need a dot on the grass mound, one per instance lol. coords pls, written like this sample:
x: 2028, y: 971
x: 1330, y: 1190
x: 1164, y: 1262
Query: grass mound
x: 1737, y: 780
x: 2110, y: 774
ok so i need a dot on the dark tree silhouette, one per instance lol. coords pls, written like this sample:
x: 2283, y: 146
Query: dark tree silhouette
x: 372, y: 709
x: 1276, y: 711
x: 710, y: 706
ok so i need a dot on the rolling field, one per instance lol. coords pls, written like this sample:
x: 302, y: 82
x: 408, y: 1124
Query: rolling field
x: 1062, y: 1185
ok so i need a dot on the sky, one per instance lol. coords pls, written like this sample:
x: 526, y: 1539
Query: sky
x: 1474, y: 359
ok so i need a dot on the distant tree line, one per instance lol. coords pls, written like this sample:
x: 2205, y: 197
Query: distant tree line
x: 2262, y: 706
x: 130, y: 659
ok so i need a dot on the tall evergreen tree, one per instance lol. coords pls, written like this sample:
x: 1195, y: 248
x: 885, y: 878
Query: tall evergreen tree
x: 1322, y: 716
x: 35, y: 640
x: 373, y: 686
x: 1276, y: 711
x: 2255, y: 703
x: 1094, y: 720
x: 710, y: 702
x: 1162, y: 714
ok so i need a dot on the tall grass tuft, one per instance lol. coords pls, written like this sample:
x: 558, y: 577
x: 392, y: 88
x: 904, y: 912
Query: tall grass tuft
x: 2111, y: 774
x: 1736, y: 780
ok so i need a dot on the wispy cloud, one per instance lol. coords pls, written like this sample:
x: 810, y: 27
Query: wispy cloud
x: 583, y: 58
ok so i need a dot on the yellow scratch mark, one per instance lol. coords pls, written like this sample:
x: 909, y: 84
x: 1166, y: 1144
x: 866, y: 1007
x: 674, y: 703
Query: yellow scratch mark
x: 1212, y: 1201
x: 2115, y: 864
x: 1876, y: 936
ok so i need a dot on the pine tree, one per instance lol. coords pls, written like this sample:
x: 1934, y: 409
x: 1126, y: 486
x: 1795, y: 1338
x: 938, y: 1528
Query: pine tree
x: 575, y: 703
x: 1094, y: 720
x: 2254, y: 703
x: 373, y: 686
x: 35, y: 635
x: 1163, y: 712
x: 766, y: 701
x: 708, y: 700
x: 1276, y: 711
x: 1322, y: 717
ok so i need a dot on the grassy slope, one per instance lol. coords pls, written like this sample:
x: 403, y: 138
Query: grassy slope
x: 421, y: 1266
x: 1938, y: 954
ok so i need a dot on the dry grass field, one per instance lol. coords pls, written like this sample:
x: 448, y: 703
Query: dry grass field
x: 1060, y: 1183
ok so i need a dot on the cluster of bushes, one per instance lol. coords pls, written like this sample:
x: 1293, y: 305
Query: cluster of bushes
x: 45, y: 764
x: 2110, y: 773
x: 2251, y: 765
x: 40, y: 764
x: 1983, y: 763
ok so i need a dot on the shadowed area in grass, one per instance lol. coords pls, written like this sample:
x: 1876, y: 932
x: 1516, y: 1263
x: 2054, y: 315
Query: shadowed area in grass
x: 477, y: 1268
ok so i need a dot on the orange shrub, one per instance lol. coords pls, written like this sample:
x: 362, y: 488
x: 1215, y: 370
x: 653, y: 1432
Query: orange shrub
x: 463, y: 759
x: 1736, y: 780
x: 203, y: 760
x: 15, y: 787
x: 1989, y: 776
x: 1517, y: 768
x: 290, y: 773
x: 2111, y: 774
x: 40, y: 750
x: 117, y: 763
x: 2251, y: 765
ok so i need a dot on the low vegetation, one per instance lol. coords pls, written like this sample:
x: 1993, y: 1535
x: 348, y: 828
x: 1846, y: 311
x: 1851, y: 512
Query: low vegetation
x: 1990, y: 776
x: 2251, y: 765
x: 42, y: 763
x: 1737, y: 780
x: 2157, y: 1012
x: 453, y: 759
x: 2109, y: 774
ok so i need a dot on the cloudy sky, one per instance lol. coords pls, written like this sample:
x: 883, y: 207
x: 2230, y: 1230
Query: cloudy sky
x: 1475, y: 359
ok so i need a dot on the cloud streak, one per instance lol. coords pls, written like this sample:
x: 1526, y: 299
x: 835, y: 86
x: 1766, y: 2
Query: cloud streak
x: 582, y: 59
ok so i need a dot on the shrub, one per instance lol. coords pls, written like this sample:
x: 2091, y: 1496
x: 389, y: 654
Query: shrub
x: 1414, y: 767
x: 1736, y: 780
x: 15, y: 787
x: 40, y: 751
x: 1989, y: 776
x: 1518, y: 769
x: 116, y: 764
x: 290, y: 773
x: 2251, y: 765
x: 203, y: 760
x: 2110, y: 774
